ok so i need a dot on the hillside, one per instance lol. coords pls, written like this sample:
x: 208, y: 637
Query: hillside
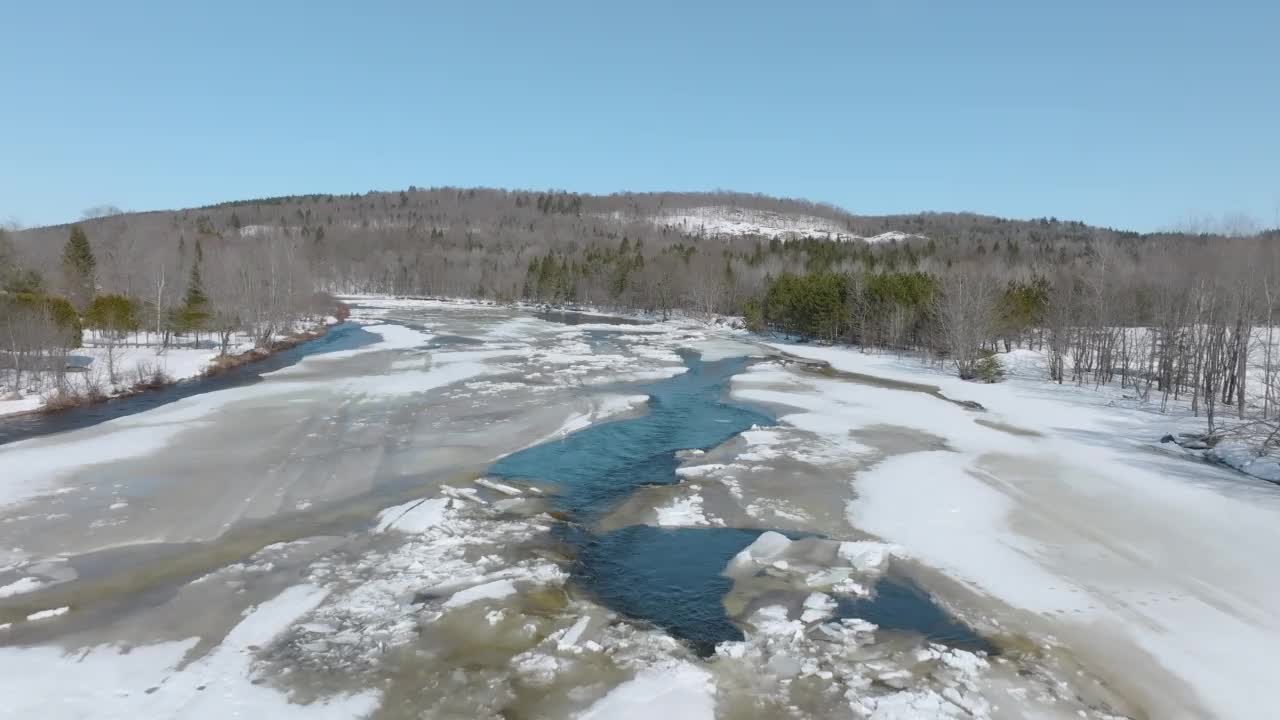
x: 712, y: 214
x: 956, y: 285
x: 404, y: 241
x: 706, y: 251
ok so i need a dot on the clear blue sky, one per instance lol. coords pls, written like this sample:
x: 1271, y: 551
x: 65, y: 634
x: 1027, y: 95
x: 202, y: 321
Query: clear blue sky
x: 1130, y: 113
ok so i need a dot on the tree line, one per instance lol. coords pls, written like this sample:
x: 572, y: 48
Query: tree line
x: 168, y: 295
x: 1171, y: 316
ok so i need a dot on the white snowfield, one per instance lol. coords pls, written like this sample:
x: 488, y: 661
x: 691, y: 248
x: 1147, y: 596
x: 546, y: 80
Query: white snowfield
x: 729, y: 221
x: 1157, y: 571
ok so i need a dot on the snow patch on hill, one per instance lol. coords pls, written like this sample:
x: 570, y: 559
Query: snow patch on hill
x: 891, y: 235
x: 727, y: 221
x: 730, y: 221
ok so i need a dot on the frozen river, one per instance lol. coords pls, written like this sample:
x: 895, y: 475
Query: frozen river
x: 462, y: 511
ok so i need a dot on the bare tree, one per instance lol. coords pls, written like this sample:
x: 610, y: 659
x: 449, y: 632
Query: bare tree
x: 965, y: 310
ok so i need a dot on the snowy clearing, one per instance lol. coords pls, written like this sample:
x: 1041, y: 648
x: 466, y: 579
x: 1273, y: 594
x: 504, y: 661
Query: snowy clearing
x: 728, y: 221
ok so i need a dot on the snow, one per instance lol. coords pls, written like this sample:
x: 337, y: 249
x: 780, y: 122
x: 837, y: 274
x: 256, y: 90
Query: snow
x: 499, y: 487
x: 34, y: 466
x: 18, y: 587
x: 573, y: 634
x: 12, y: 405
x: 681, y: 692
x: 443, y: 372
x: 413, y: 517
x: 865, y: 556
x: 153, y: 681
x: 605, y: 407
x: 1041, y: 524
x: 1245, y: 458
x: 393, y: 337
x: 957, y: 525
x: 488, y: 591
x: 1154, y: 571
x: 726, y: 220
x: 177, y: 363
x: 718, y: 348
x: 693, y: 471
x: 180, y: 361
x: 892, y: 236
x: 816, y: 607
x: 47, y: 614
x: 730, y: 221
x: 682, y: 512
x: 456, y: 561
x: 765, y: 549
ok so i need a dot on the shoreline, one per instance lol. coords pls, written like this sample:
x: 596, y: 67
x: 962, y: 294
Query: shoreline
x: 219, y: 365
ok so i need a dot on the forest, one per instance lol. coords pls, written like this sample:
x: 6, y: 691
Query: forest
x: 1170, y: 316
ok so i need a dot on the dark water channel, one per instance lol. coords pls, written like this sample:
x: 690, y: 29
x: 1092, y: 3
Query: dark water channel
x: 598, y: 466
x: 672, y: 576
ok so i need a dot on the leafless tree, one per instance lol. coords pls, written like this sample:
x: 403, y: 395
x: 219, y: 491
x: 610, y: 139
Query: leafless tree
x: 965, y: 310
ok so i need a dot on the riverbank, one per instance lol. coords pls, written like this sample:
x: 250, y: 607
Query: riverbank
x: 142, y: 368
x: 1153, y: 569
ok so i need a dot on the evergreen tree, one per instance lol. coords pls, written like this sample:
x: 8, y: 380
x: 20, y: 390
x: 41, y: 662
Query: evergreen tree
x: 114, y: 314
x: 79, y: 266
x: 8, y: 264
x: 195, y: 296
x: 194, y: 312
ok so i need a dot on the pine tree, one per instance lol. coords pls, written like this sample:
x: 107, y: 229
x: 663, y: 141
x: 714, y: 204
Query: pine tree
x: 195, y: 304
x: 79, y: 266
x: 195, y: 296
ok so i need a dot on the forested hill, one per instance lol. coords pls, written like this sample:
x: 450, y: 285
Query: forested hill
x: 710, y: 252
x: 948, y: 283
x: 626, y: 249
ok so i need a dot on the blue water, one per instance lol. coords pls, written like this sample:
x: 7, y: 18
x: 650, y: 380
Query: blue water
x: 596, y: 467
x: 902, y: 605
x: 340, y: 337
x: 667, y: 576
x: 671, y: 577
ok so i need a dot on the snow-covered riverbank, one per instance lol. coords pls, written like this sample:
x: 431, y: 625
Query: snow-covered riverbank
x: 1149, y: 566
x: 141, y: 366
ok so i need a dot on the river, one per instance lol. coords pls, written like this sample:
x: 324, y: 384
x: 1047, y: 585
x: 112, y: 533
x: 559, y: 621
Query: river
x: 449, y: 510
